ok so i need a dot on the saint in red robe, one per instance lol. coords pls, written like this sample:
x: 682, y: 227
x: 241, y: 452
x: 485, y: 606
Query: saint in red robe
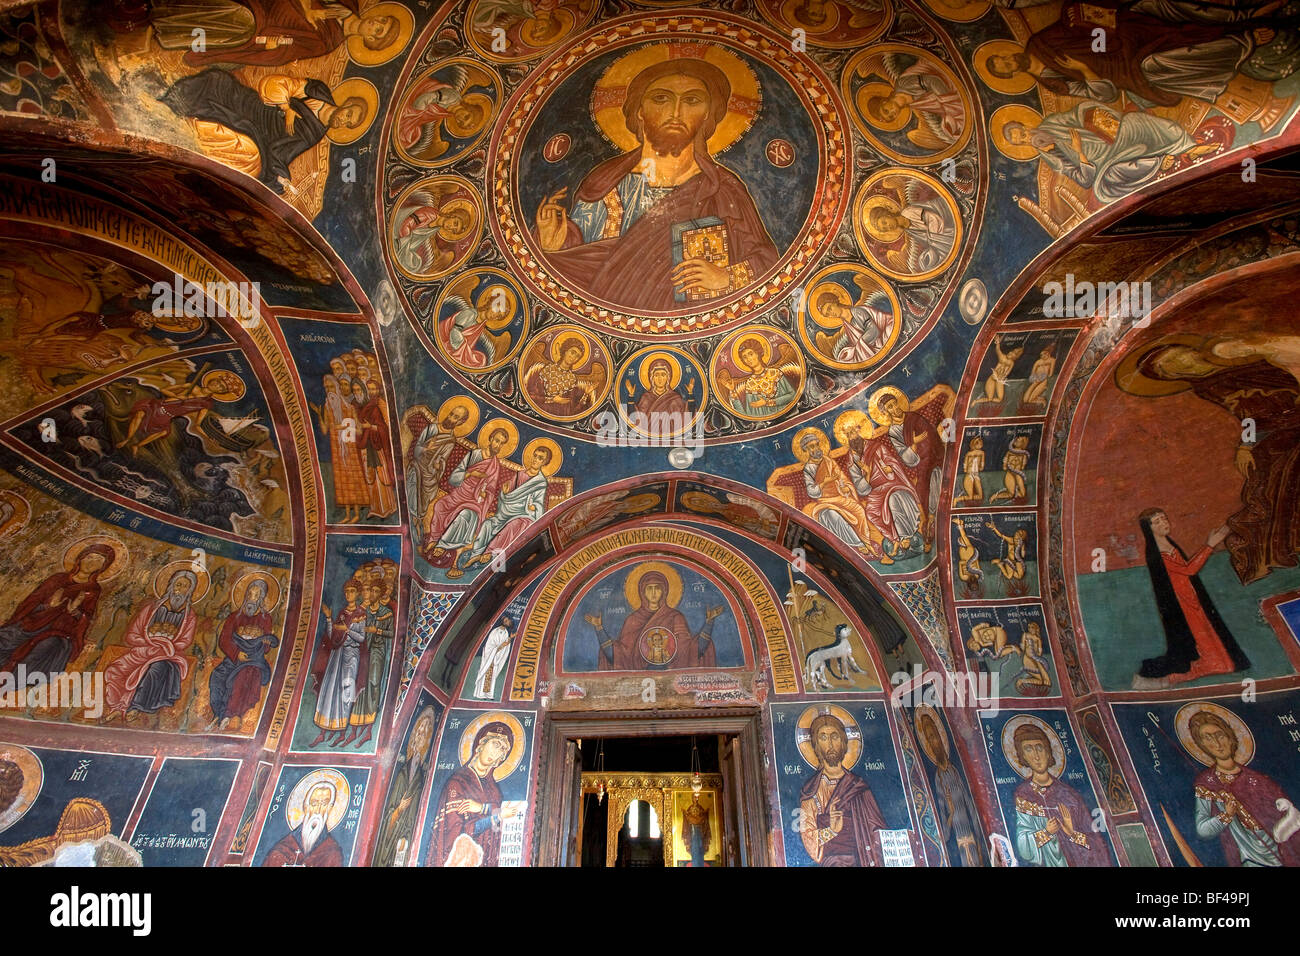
x: 1212, y: 656
x: 476, y: 493
x: 236, y: 685
x: 150, y: 642
x: 46, y: 631
x: 288, y: 852
x: 375, y: 444
x: 634, y: 270
x: 1258, y: 795
x: 480, y: 827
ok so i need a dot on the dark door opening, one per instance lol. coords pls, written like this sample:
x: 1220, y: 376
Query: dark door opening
x: 719, y: 818
x: 622, y: 774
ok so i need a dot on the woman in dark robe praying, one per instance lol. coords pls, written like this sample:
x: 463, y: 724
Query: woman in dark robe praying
x: 1197, y: 641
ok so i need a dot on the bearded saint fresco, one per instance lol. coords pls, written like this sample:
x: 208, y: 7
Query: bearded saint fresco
x: 841, y: 820
x: 314, y: 809
x: 614, y: 236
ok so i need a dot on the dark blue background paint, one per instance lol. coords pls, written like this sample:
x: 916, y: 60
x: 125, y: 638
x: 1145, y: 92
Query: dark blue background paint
x: 344, y: 553
x: 114, y: 780
x: 276, y: 826
x: 183, y: 786
x: 1272, y: 719
x: 513, y: 787
x: 877, y: 747
x: 1007, y: 777
x: 581, y: 642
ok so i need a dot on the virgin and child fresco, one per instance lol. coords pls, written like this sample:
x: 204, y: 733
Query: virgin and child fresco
x: 652, y: 615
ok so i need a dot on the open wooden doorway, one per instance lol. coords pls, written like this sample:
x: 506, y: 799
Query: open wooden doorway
x: 729, y: 741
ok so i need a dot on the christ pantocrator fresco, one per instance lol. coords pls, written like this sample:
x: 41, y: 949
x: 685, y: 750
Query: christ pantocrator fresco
x: 620, y: 235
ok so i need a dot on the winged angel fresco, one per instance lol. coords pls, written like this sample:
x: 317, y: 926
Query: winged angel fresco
x: 443, y: 103
x: 567, y: 381
x: 769, y: 383
x: 900, y: 87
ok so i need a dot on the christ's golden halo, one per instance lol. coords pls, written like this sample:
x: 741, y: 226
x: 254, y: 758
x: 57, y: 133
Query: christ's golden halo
x: 611, y: 90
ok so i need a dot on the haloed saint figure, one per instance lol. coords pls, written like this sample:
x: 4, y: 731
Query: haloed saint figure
x: 620, y: 236
x: 840, y: 821
x: 470, y: 812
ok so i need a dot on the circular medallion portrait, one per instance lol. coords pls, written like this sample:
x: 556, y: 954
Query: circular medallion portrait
x: 480, y: 320
x: 513, y: 32
x: 565, y: 373
x: 1004, y: 66
x: 850, y: 317
x: 830, y: 23
x: 907, y: 224
x: 665, y: 186
x: 758, y: 372
x: 1012, y: 128
x: 445, y: 112
x: 830, y: 717
x: 661, y: 392
x: 1035, y: 729
x: 908, y: 104
x: 434, y: 227
x: 959, y: 11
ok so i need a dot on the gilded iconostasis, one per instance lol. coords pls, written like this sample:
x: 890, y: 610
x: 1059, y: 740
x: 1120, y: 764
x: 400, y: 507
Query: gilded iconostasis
x: 380, y: 379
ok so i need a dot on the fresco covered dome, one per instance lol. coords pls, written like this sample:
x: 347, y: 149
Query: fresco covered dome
x: 862, y: 432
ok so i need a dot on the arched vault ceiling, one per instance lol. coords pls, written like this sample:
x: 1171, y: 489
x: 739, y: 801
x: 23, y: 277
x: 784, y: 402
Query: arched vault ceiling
x: 525, y: 278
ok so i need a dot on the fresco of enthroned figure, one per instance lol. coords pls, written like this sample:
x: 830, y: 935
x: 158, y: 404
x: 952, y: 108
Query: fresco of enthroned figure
x: 618, y: 240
